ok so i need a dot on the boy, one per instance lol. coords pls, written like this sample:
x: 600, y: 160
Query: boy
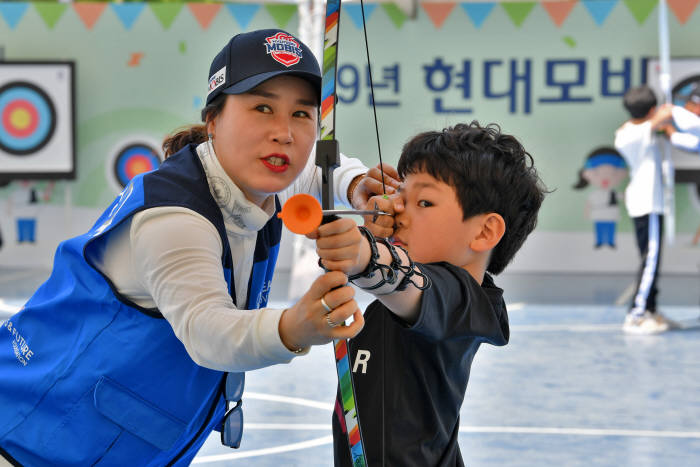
x: 469, y: 199
x: 638, y: 141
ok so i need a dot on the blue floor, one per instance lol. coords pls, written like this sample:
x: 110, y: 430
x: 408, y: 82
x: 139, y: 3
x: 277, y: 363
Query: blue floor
x: 569, y: 390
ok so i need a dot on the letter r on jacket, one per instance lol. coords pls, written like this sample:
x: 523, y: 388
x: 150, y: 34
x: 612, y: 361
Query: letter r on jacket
x: 361, y: 358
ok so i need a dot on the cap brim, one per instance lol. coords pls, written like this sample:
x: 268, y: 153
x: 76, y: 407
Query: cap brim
x: 253, y: 81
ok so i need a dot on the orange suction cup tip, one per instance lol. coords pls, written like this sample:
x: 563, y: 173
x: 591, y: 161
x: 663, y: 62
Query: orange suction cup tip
x: 301, y: 214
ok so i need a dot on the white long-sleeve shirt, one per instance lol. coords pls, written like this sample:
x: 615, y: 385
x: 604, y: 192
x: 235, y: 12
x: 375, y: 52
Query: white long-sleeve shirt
x: 169, y: 258
x: 688, y: 124
x: 639, y: 145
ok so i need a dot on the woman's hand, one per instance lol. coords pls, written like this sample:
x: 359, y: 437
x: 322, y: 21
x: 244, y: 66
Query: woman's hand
x: 309, y: 322
x: 371, y: 184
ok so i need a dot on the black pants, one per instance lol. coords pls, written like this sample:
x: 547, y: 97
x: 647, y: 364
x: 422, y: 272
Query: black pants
x: 649, y: 232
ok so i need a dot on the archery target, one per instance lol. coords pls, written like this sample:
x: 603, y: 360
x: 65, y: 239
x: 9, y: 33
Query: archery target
x: 36, y: 120
x: 28, y: 118
x: 132, y: 159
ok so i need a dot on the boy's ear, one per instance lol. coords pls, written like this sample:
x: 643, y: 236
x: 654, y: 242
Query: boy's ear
x: 492, y: 229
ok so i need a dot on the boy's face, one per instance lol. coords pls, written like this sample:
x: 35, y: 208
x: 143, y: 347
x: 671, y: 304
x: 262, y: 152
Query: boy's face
x: 430, y: 227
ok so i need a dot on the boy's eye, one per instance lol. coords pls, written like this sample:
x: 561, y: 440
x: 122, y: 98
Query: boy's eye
x: 264, y: 108
x: 301, y: 113
x: 424, y: 204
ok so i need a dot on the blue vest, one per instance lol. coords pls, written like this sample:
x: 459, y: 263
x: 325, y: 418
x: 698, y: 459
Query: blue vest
x: 88, y: 377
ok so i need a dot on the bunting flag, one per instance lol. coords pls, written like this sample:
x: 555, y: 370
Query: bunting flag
x: 559, y: 11
x: 166, y: 12
x: 641, y: 9
x: 128, y: 12
x: 89, y: 12
x: 599, y: 9
x: 281, y: 14
x: 355, y: 13
x: 243, y: 13
x: 683, y: 8
x: 13, y: 12
x: 204, y: 13
x: 50, y: 12
x: 395, y: 14
x: 518, y: 11
x: 438, y: 12
x: 478, y: 12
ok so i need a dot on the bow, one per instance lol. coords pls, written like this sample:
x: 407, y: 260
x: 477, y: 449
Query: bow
x: 327, y: 159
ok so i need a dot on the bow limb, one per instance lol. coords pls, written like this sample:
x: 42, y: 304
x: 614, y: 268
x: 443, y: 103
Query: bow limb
x: 327, y: 148
x: 328, y: 159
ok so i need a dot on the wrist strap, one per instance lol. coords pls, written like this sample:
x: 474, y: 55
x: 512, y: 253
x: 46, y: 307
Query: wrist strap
x: 409, y: 271
x: 387, y: 272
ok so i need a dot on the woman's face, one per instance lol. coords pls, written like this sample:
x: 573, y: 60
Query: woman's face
x: 263, y: 138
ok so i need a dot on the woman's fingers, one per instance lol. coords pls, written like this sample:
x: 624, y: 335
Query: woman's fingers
x: 391, y: 176
x: 333, y: 322
x: 325, y: 283
x: 371, y: 184
x: 352, y: 329
x: 339, y: 296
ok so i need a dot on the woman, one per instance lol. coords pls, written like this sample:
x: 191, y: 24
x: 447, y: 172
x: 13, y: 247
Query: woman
x: 133, y: 349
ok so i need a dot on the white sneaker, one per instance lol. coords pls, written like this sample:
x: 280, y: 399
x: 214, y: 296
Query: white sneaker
x: 648, y: 323
x: 661, y: 318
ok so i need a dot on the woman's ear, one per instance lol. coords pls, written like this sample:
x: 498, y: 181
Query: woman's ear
x: 493, y: 227
x: 211, y: 127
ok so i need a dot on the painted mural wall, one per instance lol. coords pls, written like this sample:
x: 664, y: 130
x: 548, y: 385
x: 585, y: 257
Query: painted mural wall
x: 551, y: 73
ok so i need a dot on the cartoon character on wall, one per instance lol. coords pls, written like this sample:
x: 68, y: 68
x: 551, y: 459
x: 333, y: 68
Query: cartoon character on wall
x: 605, y: 169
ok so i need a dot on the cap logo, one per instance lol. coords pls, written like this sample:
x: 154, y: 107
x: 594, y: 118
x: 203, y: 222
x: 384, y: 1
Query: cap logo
x: 217, y: 79
x: 284, y: 49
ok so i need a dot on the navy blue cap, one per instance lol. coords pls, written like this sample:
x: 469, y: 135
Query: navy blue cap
x: 253, y: 57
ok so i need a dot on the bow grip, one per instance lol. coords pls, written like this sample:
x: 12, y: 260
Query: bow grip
x: 327, y: 159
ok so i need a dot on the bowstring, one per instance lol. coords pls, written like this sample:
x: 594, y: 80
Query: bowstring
x: 371, y: 87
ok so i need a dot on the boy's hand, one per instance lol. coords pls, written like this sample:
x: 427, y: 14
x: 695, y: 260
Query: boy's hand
x: 341, y: 246
x: 371, y: 184
x: 308, y: 322
x: 668, y: 129
x: 383, y: 226
x: 663, y: 115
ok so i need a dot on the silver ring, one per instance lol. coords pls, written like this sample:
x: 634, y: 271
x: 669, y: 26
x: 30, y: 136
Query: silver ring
x: 325, y: 305
x: 330, y: 323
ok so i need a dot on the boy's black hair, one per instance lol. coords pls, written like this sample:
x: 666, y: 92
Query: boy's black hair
x: 489, y: 171
x: 639, y: 100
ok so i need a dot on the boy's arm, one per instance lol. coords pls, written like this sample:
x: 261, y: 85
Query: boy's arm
x: 686, y: 121
x: 402, y: 295
x: 373, y: 264
x: 662, y: 116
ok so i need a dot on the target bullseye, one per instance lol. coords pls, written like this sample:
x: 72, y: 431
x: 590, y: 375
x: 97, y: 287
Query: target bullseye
x: 134, y: 159
x: 28, y: 118
x: 20, y: 118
